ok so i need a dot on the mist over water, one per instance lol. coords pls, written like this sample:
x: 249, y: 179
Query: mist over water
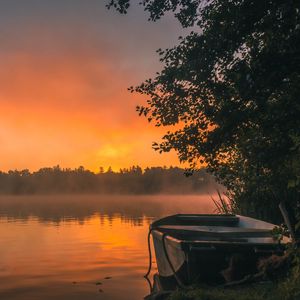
x: 132, y: 181
x: 65, y: 208
x: 63, y: 247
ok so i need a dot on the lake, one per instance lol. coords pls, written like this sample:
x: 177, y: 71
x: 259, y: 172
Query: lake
x: 81, y: 247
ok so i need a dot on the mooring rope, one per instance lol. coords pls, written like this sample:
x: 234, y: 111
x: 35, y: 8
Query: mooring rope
x: 180, y: 283
x: 150, y: 255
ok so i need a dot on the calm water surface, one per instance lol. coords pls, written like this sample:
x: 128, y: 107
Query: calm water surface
x: 81, y: 247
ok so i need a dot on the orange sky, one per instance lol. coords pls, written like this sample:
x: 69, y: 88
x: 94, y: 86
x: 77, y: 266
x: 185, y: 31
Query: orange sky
x: 64, y: 71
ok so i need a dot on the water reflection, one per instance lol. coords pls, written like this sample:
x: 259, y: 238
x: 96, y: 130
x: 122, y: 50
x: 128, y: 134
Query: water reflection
x: 65, y: 246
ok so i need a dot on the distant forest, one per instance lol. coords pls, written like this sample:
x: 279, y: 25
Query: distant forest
x: 127, y: 181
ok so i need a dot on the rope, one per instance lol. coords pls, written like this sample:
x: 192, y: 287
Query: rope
x: 180, y: 283
x: 150, y: 255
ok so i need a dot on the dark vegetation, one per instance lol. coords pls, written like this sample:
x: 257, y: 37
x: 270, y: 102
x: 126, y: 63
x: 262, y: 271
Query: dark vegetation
x: 232, y: 87
x: 279, y: 283
x: 128, y: 181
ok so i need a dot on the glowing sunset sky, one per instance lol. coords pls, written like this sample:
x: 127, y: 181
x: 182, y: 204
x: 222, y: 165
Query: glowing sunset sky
x: 65, y: 66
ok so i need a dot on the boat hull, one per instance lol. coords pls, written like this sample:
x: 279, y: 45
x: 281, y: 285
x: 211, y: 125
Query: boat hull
x: 211, y: 256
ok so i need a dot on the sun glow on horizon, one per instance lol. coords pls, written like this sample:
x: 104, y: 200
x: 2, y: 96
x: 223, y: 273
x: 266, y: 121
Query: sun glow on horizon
x: 63, y: 90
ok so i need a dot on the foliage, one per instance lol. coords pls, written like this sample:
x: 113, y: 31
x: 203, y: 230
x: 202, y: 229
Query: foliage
x: 279, y: 232
x: 290, y: 287
x: 232, y: 89
x: 128, y: 181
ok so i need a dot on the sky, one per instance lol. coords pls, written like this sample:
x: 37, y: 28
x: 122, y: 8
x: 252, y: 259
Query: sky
x: 65, y: 66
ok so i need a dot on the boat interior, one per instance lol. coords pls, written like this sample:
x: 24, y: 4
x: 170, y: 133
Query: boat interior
x: 231, y: 228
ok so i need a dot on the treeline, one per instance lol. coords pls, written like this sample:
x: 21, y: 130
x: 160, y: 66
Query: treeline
x: 127, y: 181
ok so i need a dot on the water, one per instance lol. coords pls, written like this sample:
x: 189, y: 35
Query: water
x: 81, y: 247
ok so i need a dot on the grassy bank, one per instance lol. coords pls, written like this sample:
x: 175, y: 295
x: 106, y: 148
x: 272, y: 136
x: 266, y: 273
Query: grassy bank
x: 265, y: 291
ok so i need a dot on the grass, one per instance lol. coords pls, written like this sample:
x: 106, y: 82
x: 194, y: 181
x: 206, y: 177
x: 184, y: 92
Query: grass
x: 224, y: 205
x: 265, y: 291
x: 209, y: 293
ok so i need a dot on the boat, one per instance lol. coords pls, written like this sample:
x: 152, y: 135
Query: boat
x: 211, y: 249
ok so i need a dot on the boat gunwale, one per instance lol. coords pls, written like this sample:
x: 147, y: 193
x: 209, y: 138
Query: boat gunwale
x: 186, y: 245
x: 220, y: 219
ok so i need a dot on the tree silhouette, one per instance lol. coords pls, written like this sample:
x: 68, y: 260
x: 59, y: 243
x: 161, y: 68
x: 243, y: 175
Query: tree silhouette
x: 233, y: 86
x: 128, y: 181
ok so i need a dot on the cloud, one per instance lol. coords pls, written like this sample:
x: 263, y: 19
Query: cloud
x: 64, y: 74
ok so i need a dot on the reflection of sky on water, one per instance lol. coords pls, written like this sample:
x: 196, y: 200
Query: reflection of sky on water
x: 61, y: 247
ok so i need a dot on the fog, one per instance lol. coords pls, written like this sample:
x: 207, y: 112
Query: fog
x: 135, y: 208
x: 155, y: 180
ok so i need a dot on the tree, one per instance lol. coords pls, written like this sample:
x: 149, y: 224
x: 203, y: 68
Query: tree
x: 232, y: 88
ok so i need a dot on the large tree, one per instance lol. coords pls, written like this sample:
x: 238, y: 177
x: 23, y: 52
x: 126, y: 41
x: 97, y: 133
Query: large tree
x: 232, y: 88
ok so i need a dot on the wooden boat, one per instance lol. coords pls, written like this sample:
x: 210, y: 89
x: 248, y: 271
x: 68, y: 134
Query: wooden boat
x: 211, y: 248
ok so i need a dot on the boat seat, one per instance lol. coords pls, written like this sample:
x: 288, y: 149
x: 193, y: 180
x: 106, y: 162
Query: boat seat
x: 210, y: 220
x: 195, y: 219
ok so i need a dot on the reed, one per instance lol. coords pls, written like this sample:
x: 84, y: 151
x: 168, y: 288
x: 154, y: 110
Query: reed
x: 224, y: 204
